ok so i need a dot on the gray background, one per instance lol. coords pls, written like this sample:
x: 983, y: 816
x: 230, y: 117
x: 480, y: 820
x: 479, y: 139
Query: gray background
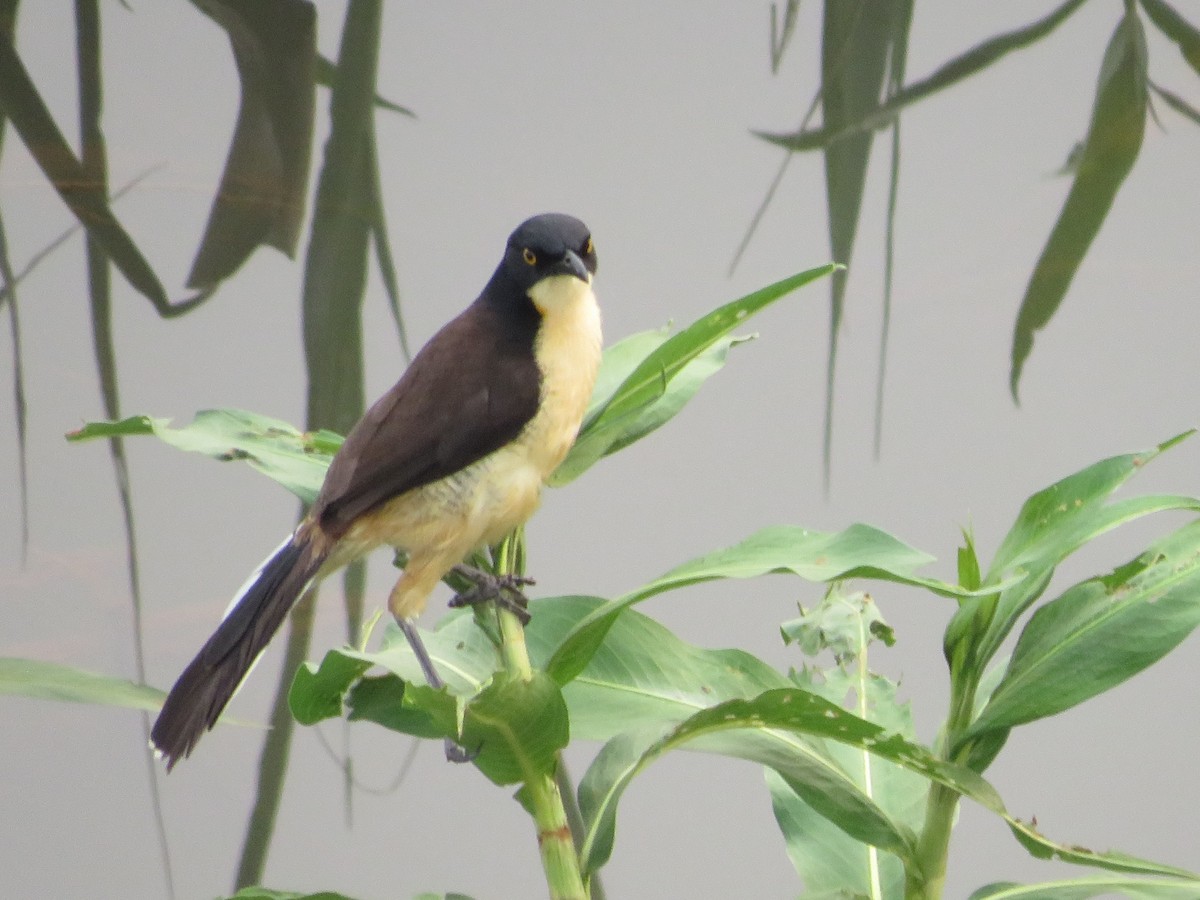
x: 634, y: 117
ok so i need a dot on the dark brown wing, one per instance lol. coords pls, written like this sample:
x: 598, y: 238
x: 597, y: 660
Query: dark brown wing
x: 469, y: 391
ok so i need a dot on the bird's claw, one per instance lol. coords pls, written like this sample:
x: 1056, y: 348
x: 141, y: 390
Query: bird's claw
x: 505, y: 590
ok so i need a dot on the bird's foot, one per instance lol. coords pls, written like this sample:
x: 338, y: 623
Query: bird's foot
x: 505, y: 590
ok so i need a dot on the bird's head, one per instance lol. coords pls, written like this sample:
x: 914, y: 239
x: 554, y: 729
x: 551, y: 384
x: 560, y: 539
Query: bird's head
x: 550, y: 255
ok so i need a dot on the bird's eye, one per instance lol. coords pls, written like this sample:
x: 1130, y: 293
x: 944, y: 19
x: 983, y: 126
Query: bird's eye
x: 589, y: 248
x: 529, y: 256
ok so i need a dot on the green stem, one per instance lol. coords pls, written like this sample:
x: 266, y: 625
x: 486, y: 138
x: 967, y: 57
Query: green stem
x: 927, y: 879
x: 560, y: 861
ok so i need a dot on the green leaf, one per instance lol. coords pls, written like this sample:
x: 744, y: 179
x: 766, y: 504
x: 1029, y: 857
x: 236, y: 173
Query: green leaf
x: 21, y: 102
x: 516, y: 728
x: 749, y: 729
x: 843, y: 623
x: 1057, y: 521
x: 631, y: 411
x: 961, y: 67
x: 644, y: 678
x: 50, y: 681
x: 1177, y: 103
x: 1113, y: 141
x: 826, y: 858
x: 264, y: 186
x: 1100, y: 633
x: 620, y: 433
x: 832, y: 865
x: 618, y: 364
x: 317, y: 691
x: 1087, y: 888
x: 260, y: 893
x: 823, y: 784
x: 781, y: 34
x: 1177, y: 28
x: 408, y: 707
x: 969, y: 575
x: 344, y: 213
x: 642, y: 675
x: 326, y: 73
x: 295, y: 459
x: 855, y: 43
x: 859, y: 551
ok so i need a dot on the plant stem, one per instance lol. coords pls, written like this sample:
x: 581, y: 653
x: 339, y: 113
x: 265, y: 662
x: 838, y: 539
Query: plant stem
x: 930, y: 878
x: 927, y: 879
x: 555, y: 842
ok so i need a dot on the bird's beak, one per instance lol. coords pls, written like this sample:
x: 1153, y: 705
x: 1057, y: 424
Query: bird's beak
x: 571, y: 264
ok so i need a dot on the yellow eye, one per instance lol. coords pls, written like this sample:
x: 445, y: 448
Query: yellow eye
x: 589, y: 248
x: 529, y: 256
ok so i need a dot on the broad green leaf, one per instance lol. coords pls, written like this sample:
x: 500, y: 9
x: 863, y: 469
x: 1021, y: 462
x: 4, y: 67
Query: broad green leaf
x: 823, y: 784
x: 408, y: 707
x: 1177, y: 28
x: 826, y: 858
x: 644, y: 678
x: 620, y: 433
x: 1057, y: 521
x: 1113, y: 141
x: 260, y: 893
x: 642, y: 675
x: 295, y: 459
x: 516, y: 728
x: 1087, y: 888
x: 748, y: 729
x: 832, y: 865
x: 859, y: 551
x: 618, y: 364
x: 51, y: 681
x: 961, y: 67
x: 317, y: 691
x: 1100, y: 633
x: 264, y: 186
x: 621, y: 419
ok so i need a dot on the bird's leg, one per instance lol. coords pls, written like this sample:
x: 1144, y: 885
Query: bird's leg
x: 454, y: 752
x: 505, y: 590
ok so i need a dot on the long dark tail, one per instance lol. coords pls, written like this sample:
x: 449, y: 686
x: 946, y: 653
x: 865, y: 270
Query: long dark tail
x: 214, y: 675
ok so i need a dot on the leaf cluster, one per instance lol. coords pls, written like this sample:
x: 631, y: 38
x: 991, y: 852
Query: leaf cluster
x: 862, y: 803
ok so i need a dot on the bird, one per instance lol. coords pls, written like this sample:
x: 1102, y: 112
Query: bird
x: 451, y: 459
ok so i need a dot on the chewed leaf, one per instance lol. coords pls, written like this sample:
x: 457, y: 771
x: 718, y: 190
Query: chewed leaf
x: 295, y: 459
